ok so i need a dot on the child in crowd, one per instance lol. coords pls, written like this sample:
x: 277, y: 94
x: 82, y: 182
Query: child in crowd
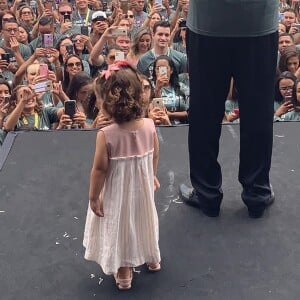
x: 294, y: 114
x: 121, y: 230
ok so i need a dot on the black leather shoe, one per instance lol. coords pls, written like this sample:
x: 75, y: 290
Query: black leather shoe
x: 190, y: 197
x: 258, y: 212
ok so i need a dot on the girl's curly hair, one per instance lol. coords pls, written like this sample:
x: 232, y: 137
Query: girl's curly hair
x: 121, y: 92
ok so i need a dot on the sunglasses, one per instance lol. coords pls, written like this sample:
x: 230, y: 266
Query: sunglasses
x: 64, y: 13
x: 8, y: 19
x: 71, y: 65
x: 129, y: 16
x: 11, y: 30
x: 76, y: 40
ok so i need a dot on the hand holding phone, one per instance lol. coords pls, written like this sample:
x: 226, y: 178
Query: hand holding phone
x: 163, y: 71
x: 182, y: 24
x: 70, y: 108
x: 159, y: 103
x: 237, y: 111
x: 6, y: 56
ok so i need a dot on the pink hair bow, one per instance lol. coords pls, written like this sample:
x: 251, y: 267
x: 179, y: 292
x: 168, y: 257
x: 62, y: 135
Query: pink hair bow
x: 114, y: 67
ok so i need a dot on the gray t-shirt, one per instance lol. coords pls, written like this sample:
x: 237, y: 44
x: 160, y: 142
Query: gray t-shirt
x: 146, y: 61
x: 233, y: 18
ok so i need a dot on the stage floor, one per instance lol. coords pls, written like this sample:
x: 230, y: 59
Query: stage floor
x: 44, y: 190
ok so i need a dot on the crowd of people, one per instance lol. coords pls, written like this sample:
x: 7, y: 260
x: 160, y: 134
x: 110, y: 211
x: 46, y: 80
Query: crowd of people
x: 54, y: 51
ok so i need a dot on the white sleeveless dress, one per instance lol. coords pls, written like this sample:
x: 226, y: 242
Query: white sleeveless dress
x: 127, y: 235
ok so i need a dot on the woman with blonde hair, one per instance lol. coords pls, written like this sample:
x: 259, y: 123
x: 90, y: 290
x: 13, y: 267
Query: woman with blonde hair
x: 27, y: 17
x: 140, y: 45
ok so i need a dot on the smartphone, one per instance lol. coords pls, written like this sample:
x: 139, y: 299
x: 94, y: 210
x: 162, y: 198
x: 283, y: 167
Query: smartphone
x: 159, y: 2
x: 280, y: 16
x: 70, y: 108
x: 84, y: 30
x: 163, y: 70
x: 6, y: 99
x: 124, y: 6
x: 237, y: 111
x: 48, y: 40
x: 297, y: 26
x: 70, y: 49
x: 41, y: 87
x: 119, y: 55
x: 105, y: 5
x: 67, y: 18
x: 182, y: 24
x: 119, y: 31
x: 43, y: 70
x: 6, y: 56
x: 158, y: 102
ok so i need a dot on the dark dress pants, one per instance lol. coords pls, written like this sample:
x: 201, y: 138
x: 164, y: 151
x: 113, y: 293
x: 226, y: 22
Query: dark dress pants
x: 252, y: 63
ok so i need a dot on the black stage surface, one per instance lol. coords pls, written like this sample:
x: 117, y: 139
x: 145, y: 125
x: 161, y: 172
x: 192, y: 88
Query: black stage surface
x: 44, y: 188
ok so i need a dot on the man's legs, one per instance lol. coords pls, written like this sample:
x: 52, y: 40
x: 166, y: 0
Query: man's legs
x: 254, y: 75
x: 210, y: 74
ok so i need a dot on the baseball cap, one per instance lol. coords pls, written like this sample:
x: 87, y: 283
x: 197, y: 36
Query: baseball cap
x: 99, y: 16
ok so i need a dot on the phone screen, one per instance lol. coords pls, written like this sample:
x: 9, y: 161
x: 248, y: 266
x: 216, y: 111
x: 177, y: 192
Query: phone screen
x: 119, y: 55
x: 84, y: 30
x: 48, y: 40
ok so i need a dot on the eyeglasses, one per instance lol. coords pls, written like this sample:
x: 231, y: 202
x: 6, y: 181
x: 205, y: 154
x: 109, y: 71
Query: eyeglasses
x: 71, y: 65
x: 129, y: 16
x: 26, y: 12
x: 11, y: 30
x: 63, y: 13
x: 286, y: 88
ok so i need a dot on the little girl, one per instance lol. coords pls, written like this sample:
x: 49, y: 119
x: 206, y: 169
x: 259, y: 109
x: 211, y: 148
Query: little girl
x: 121, y: 230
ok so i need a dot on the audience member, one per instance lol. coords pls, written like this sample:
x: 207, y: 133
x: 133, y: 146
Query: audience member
x: 80, y: 89
x: 283, y: 95
x: 27, y: 112
x: 174, y: 94
x: 140, y: 45
x: 161, y: 40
